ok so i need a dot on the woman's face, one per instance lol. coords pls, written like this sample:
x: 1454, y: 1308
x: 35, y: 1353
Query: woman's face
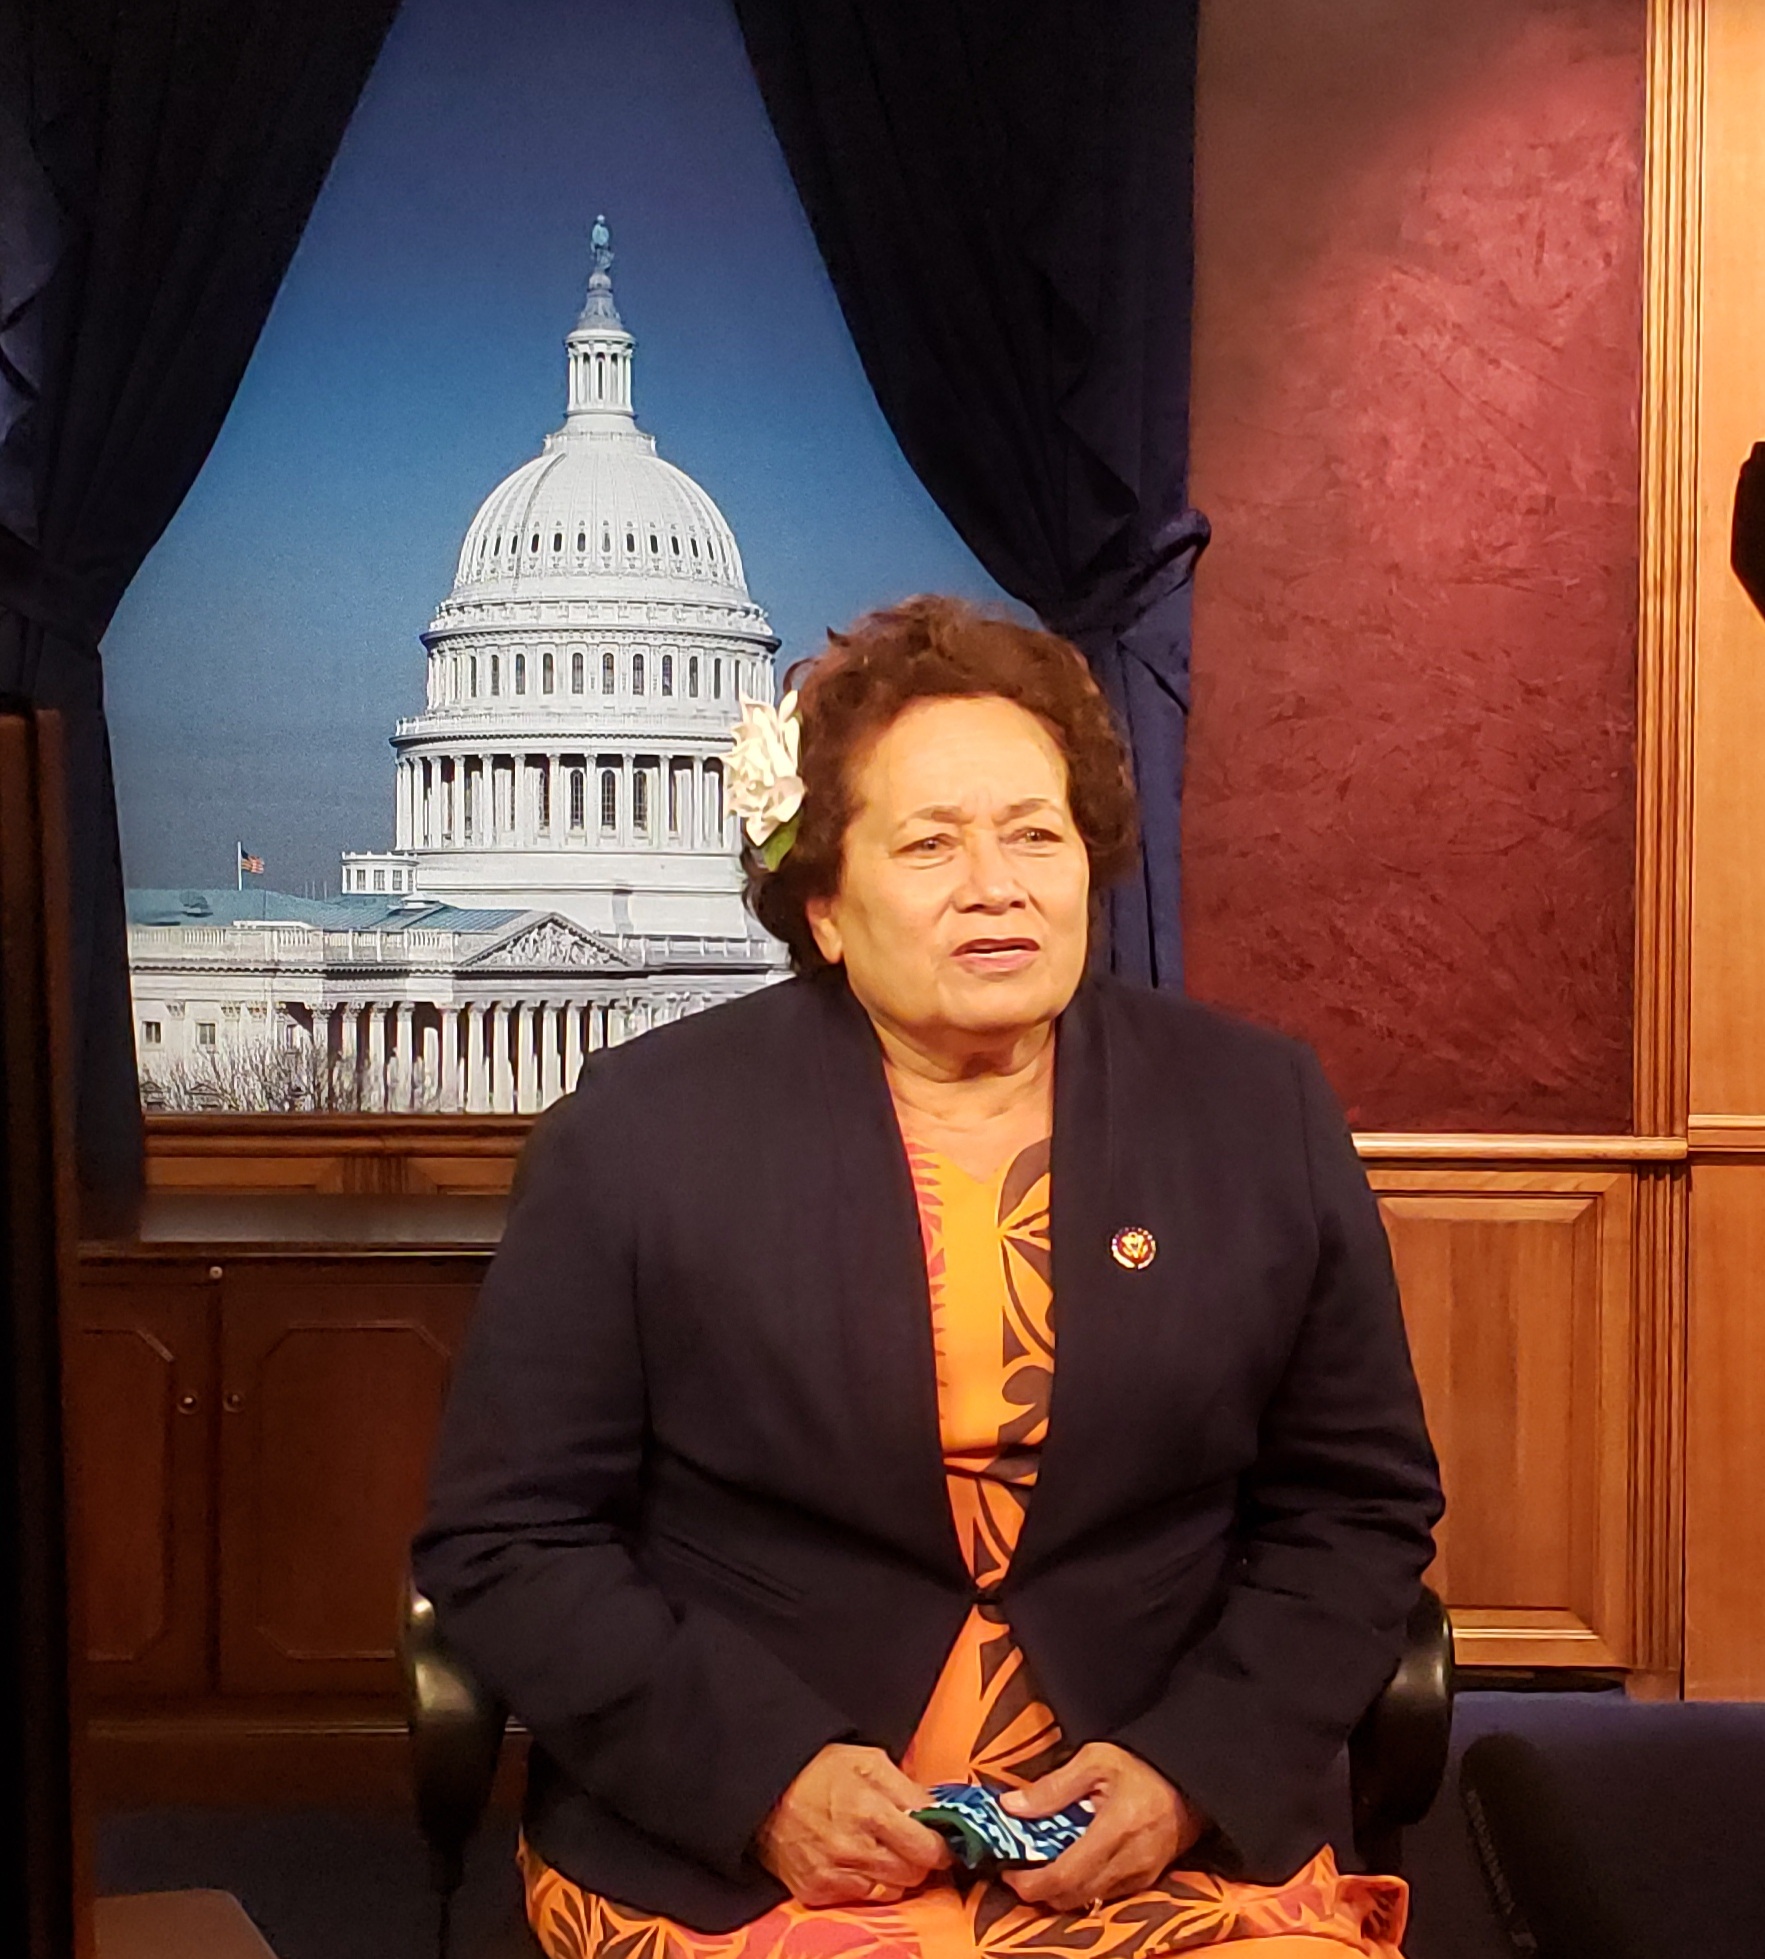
x: 963, y: 904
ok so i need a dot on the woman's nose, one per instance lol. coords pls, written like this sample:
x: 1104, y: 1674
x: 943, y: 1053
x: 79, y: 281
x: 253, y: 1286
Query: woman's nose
x: 989, y: 883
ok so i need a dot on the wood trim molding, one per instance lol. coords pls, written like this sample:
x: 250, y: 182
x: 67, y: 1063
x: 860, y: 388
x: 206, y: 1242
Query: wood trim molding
x: 1403, y: 1146
x: 391, y: 1156
x: 1728, y: 1135
x: 1513, y: 1637
x: 1668, y: 557
x: 1661, y: 1277
x: 218, y: 1133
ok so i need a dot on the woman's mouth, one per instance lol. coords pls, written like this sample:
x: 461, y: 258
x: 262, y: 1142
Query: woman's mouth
x: 996, y: 955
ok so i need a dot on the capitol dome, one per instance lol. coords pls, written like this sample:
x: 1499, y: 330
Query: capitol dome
x: 598, y: 514
x: 599, y: 511
x: 585, y: 671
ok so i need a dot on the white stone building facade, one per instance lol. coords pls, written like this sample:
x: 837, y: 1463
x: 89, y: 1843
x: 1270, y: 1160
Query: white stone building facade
x: 563, y: 872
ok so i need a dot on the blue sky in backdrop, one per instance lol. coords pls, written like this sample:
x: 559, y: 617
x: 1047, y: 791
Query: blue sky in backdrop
x: 414, y: 356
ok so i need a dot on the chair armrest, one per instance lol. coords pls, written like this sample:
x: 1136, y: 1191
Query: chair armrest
x: 456, y: 1731
x: 1397, y: 1754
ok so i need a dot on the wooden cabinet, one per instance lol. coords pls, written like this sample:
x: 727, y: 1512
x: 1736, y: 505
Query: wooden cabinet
x: 141, y: 1412
x: 332, y: 1380
x: 1519, y: 1294
x: 251, y: 1429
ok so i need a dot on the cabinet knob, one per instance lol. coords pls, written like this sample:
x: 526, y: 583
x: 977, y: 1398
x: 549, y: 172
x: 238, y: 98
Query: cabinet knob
x: 215, y: 1271
x: 233, y: 1401
x: 186, y: 1404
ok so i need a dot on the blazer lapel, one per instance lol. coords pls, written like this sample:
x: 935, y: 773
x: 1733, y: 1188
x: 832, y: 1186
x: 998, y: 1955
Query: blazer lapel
x: 1092, y: 1321
x: 884, y: 1304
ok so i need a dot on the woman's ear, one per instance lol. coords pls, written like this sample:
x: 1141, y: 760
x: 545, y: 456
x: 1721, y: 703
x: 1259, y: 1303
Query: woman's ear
x: 824, y: 930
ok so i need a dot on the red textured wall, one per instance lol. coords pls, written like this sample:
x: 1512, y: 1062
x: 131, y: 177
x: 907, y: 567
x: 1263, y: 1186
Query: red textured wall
x: 1408, y: 830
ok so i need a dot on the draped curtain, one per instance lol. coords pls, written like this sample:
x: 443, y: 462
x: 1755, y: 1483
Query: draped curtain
x: 1001, y: 190
x: 158, y: 161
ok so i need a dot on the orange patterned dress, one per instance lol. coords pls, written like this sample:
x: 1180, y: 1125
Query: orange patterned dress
x: 987, y: 1257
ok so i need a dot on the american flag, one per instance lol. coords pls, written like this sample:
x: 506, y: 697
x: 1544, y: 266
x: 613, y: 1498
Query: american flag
x: 249, y: 863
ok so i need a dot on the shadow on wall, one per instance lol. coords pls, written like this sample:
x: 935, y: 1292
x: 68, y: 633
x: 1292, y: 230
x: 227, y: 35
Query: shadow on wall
x: 1409, y: 815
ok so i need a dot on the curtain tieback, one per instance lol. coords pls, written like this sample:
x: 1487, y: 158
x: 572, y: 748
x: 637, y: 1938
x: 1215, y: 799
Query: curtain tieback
x: 1126, y: 596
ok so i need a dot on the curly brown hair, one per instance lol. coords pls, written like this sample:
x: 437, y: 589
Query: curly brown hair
x: 934, y: 648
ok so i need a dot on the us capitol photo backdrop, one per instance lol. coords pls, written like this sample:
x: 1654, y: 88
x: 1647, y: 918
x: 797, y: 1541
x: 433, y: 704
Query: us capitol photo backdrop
x: 564, y: 874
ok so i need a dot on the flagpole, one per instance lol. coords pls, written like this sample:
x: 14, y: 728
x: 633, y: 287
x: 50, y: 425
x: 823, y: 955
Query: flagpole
x: 239, y: 863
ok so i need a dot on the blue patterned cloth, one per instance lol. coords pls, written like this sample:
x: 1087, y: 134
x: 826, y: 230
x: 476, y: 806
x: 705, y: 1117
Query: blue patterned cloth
x: 970, y: 1820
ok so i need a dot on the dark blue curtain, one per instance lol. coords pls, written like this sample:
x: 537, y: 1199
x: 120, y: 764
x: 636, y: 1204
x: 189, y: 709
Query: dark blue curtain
x: 1002, y: 192
x: 159, y: 159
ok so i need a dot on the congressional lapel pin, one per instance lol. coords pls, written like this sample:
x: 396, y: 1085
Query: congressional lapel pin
x: 1133, y: 1247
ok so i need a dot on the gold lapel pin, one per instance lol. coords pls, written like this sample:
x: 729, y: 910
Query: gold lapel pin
x: 1133, y: 1247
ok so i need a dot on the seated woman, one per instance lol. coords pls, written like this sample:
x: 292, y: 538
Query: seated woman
x: 948, y: 1365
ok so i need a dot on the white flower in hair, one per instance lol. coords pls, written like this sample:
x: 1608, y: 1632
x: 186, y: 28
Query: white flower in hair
x: 763, y: 786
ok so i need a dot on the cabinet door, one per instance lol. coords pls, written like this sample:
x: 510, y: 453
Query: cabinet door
x: 1519, y: 1295
x: 332, y: 1379
x: 140, y: 1403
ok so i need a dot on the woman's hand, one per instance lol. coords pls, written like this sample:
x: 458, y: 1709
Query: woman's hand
x: 1141, y: 1826
x: 841, y: 1835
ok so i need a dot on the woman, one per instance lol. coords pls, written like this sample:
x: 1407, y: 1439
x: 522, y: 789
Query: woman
x: 944, y: 1366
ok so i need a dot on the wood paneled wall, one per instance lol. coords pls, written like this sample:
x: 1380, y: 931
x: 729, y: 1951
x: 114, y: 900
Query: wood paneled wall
x: 1548, y: 1379
x: 1546, y: 1351
x: 1725, y: 1354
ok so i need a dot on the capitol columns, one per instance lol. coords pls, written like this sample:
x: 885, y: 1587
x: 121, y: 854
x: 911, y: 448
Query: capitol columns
x: 572, y: 1043
x: 521, y: 1063
x: 526, y: 801
x: 502, y: 1087
x: 348, y: 1046
x: 539, y: 1024
x: 533, y: 1056
x: 477, y: 1095
x: 376, y: 1083
x: 392, y: 1068
x: 550, y: 1034
x: 522, y: 1013
x: 429, y: 1070
x: 405, y: 1073
x: 450, y: 1059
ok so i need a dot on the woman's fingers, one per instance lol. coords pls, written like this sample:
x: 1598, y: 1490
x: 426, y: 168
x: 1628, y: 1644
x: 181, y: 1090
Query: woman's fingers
x: 1115, y: 1879
x: 894, y: 1831
x: 1070, y: 1881
x: 894, y: 1783
x: 1114, y: 1856
x: 1137, y: 1828
x: 841, y: 1830
x: 1053, y: 1791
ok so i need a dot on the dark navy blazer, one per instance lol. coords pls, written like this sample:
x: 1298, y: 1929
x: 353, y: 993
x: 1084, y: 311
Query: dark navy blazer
x: 688, y: 1514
